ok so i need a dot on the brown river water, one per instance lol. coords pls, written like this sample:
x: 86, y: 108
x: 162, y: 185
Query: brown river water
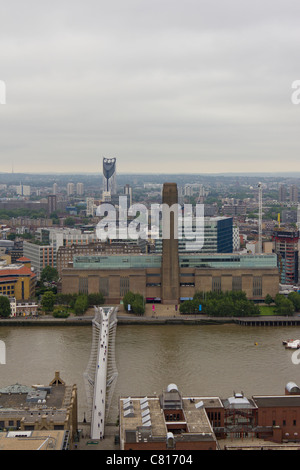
x: 202, y: 360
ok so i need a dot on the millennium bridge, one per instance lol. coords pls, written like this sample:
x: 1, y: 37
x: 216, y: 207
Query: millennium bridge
x: 101, y: 373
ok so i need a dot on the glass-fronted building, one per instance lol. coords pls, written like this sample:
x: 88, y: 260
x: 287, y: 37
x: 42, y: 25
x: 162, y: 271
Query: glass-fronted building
x: 215, y: 235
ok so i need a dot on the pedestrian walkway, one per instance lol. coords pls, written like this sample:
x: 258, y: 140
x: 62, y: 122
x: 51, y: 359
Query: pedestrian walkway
x: 101, y: 372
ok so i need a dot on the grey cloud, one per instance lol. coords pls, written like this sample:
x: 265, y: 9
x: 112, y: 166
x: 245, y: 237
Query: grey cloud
x: 149, y: 82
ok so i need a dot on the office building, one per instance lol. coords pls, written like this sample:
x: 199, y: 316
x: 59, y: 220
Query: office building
x: 70, y: 189
x: 23, y: 190
x: 40, y: 256
x: 79, y: 189
x: 128, y: 193
x: 14, y: 249
x: 90, y: 207
x: 52, y: 204
x: 217, y: 237
x: 109, y: 175
x: 286, y: 247
x: 17, y: 280
x: 294, y: 194
x: 236, y: 240
x: 282, y: 193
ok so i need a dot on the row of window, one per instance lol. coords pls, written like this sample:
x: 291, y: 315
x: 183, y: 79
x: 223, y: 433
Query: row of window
x: 10, y: 424
x: 237, y: 284
x: 7, y: 290
x: 216, y: 285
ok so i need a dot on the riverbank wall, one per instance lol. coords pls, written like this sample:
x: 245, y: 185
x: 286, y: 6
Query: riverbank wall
x: 141, y: 320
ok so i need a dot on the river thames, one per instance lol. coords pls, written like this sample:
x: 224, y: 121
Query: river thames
x: 203, y: 360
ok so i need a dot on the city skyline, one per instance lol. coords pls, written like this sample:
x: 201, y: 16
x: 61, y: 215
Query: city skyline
x: 164, y: 87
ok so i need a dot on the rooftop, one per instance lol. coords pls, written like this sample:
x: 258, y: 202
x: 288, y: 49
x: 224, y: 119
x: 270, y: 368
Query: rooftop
x: 32, y: 440
x: 283, y: 400
x: 142, y: 418
x: 216, y: 260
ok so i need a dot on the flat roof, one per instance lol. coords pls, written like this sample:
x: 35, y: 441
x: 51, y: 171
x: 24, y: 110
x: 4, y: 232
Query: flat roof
x: 34, y: 440
x: 195, y: 417
x: 273, y: 400
x: 158, y: 425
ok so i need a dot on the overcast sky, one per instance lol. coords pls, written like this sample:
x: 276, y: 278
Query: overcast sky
x: 164, y: 86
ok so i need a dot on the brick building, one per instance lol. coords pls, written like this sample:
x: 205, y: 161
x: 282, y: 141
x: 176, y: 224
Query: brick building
x: 17, y: 280
x: 40, y: 408
x: 173, y: 422
x: 171, y: 277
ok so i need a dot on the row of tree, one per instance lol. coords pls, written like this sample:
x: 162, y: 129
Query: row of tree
x: 220, y: 304
x: 134, y: 303
x: 5, y: 310
x: 62, y: 304
x: 287, y: 305
x: 234, y: 304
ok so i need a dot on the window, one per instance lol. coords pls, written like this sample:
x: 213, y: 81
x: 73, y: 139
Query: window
x: 257, y: 286
x: 124, y: 285
x: 236, y: 283
x: 104, y: 286
x: 216, y: 284
x: 83, y: 285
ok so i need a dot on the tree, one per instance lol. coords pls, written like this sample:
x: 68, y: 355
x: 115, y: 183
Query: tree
x: 5, y: 310
x: 136, y: 302
x: 138, y: 307
x: 128, y: 300
x: 60, y: 312
x: 294, y: 297
x: 66, y: 299
x: 96, y: 299
x: 190, y: 306
x: 48, y: 301
x: 81, y: 304
x: 284, y: 306
x: 268, y: 299
x: 221, y: 304
x: 69, y: 222
x: 11, y: 236
x: 49, y: 274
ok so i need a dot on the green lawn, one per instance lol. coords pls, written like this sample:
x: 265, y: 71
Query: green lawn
x: 267, y: 310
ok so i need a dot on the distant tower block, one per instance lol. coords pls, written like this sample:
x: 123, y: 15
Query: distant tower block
x: 170, y: 258
x: 109, y: 175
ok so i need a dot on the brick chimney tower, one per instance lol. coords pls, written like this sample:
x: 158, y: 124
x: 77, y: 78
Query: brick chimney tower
x: 170, y: 258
